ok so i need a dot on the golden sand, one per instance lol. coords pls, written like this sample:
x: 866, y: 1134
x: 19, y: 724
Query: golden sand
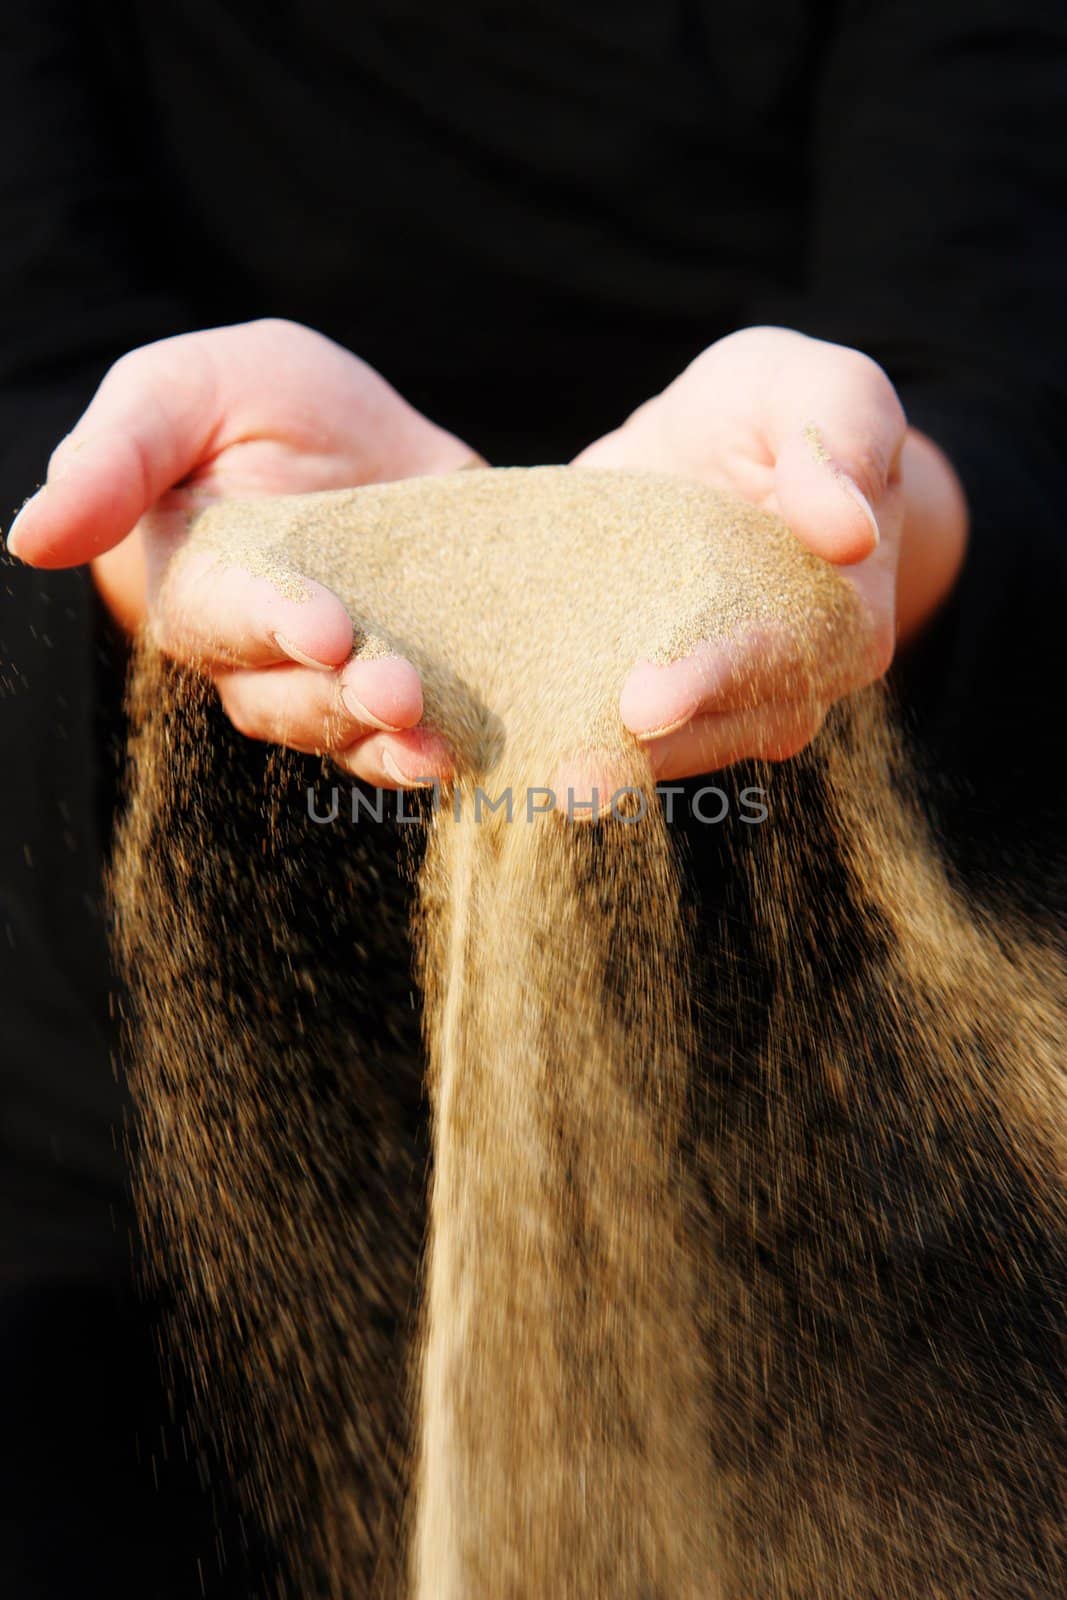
x: 713, y: 1170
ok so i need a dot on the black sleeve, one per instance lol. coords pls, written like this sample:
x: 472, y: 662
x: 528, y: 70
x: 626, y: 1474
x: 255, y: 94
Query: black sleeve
x: 81, y: 274
x: 77, y: 288
x: 938, y: 245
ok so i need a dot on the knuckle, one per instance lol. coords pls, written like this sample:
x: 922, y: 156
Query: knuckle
x: 143, y: 359
x: 277, y: 329
x: 336, y: 731
x: 162, y: 632
x: 65, y: 448
x: 283, y: 325
x: 865, y: 372
x: 247, y: 720
x: 874, y: 378
x: 872, y: 456
x: 250, y: 727
x: 864, y: 368
x: 355, y: 759
x: 791, y: 734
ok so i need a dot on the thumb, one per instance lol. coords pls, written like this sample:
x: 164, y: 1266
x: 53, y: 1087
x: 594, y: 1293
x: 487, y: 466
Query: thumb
x: 150, y: 423
x: 837, y: 456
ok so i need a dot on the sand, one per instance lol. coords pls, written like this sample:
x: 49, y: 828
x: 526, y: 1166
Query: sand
x: 724, y: 1174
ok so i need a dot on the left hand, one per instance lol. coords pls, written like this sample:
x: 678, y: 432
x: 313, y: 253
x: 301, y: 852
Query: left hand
x: 814, y: 432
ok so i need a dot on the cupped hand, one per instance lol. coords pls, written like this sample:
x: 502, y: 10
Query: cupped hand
x: 815, y: 433
x: 258, y: 409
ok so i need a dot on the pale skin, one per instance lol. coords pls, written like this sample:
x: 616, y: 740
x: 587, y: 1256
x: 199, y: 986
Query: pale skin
x: 813, y: 431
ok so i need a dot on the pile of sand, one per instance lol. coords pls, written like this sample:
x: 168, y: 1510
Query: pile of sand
x: 717, y: 1161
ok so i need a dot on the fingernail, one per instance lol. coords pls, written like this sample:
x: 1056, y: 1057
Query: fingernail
x: 817, y: 445
x: 853, y: 490
x: 361, y: 714
x: 402, y: 778
x: 648, y: 734
x: 295, y: 654
x: 13, y: 531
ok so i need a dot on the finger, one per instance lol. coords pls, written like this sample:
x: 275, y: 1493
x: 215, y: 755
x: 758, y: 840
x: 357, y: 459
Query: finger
x: 585, y: 788
x: 385, y: 692
x: 320, y: 712
x: 837, y: 432
x: 210, y: 612
x: 760, y: 665
x: 587, y: 785
x: 657, y: 698
x: 642, y: 439
x: 774, y: 732
x: 410, y: 760
x: 152, y: 419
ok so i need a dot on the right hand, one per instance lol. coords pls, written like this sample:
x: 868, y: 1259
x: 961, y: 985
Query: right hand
x: 258, y: 409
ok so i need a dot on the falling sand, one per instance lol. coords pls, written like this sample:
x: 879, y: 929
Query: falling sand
x: 730, y: 1259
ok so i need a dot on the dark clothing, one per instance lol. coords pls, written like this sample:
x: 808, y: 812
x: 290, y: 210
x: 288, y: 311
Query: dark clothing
x: 529, y: 217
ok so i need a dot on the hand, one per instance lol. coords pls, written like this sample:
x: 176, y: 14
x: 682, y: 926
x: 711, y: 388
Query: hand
x: 259, y: 409
x: 815, y: 433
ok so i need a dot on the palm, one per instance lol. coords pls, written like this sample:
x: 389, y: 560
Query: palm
x: 300, y: 414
